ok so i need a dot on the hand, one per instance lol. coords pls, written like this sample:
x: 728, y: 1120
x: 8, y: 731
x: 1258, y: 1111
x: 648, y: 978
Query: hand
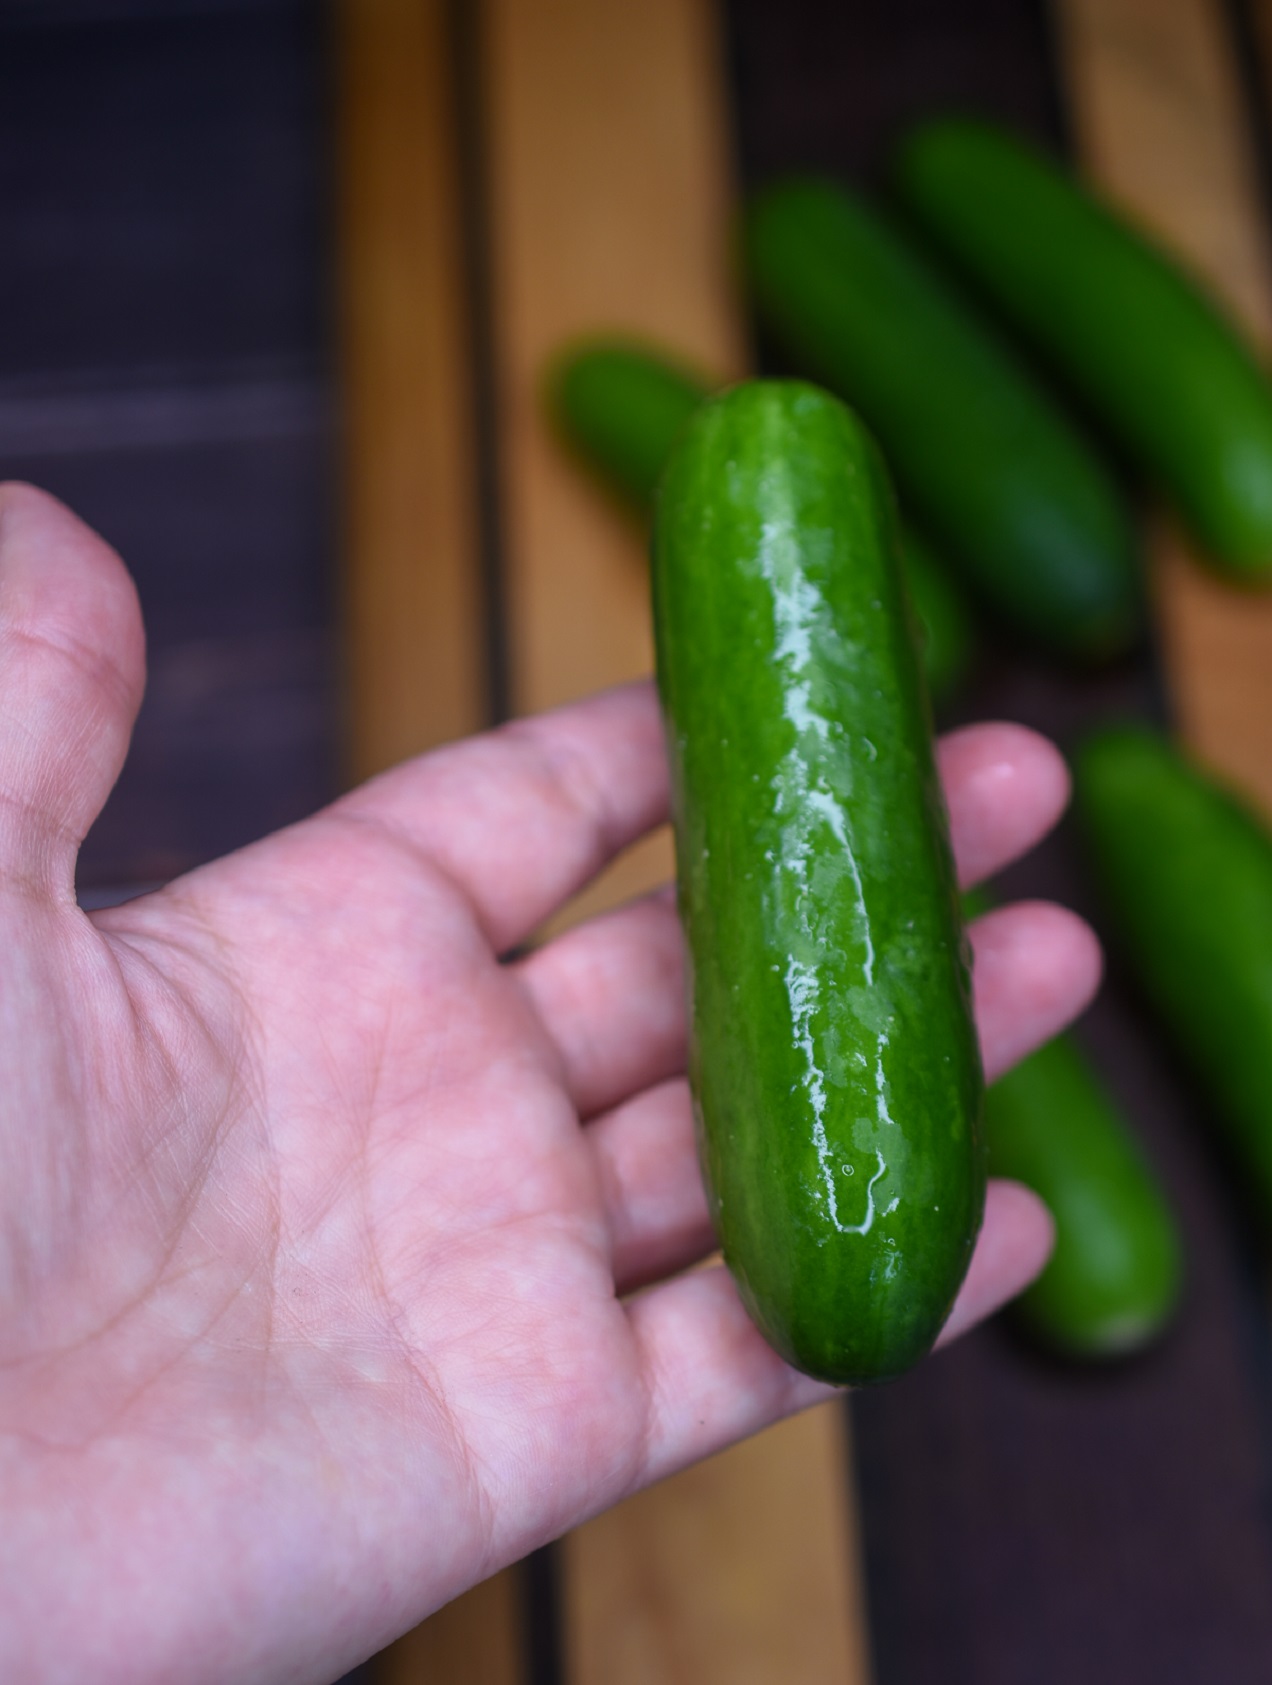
x: 318, y: 1218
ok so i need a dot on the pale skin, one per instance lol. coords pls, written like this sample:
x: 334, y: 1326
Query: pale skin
x: 320, y: 1220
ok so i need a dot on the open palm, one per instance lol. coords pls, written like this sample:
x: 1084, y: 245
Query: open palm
x: 320, y: 1216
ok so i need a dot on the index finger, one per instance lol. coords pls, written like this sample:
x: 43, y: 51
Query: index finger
x: 523, y: 817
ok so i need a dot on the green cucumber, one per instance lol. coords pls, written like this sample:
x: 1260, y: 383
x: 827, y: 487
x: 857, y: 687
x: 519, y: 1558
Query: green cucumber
x: 1186, y: 871
x: 982, y: 457
x: 1145, y: 346
x: 1112, y: 1280
x: 834, y: 1061
x: 621, y: 405
x: 947, y: 635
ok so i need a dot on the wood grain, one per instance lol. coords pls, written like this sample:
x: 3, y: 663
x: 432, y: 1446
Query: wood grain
x: 611, y: 195
x: 1159, y: 121
x: 412, y: 608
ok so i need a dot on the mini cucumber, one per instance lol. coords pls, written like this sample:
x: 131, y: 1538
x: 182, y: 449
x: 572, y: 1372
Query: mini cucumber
x: 982, y: 457
x: 621, y: 406
x: 1112, y: 1280
x: 947, y: 635
x: 1139, y: 339
x: 1186, y: 871
x: 834, y: 1060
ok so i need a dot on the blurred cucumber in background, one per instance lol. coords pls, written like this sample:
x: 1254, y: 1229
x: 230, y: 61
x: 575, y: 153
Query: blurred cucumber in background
x: 1147, y: 349
x: 947, y: 632
x: 982, y: 456
x: 1113, y: 1279
x: 620, y: 406
x: 1186, y: 874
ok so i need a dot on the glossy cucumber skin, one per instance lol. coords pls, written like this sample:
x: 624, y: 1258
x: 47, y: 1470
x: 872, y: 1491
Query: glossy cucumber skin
x: 1186, y: 872
x: 834, y: 1061
x: 982, y: 457
x: 1145, y: 346
x: 621, y: 406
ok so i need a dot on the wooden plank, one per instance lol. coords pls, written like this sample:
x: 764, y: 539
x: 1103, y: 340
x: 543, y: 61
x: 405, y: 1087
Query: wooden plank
x: 1158, y: 115
x: 412, y: 604
x: 610, y: 188
x: 476, y: 1640
x: 744, y: 1570
x: 610, y: 198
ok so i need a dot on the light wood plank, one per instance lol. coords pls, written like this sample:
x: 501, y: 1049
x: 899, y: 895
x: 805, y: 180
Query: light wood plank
x: 611, y: 193
x: 743, y: 1570
x: 611, y: 200
x: 1160, y: 126
x: 412, y: 606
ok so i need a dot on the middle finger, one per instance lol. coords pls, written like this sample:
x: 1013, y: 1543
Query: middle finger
x: 610, y: 993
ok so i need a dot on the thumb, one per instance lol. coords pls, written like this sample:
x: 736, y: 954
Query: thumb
x: 72, y: 669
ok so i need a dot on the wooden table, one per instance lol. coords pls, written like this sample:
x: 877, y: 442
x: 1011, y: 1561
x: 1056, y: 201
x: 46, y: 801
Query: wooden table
x: 512, y: 172
x: 520, y: 171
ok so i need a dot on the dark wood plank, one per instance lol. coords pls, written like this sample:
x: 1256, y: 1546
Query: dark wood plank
x: 826, y: 87
x: 162, y: 192
x: 230, y: 542
x: 164, y: 368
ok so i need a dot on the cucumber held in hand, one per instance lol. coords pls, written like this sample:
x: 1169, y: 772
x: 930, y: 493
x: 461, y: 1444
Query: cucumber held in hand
x: 1113, y: 1276
x: 835, y: 1067
x: 1187, y: 874
x: 982, y: 457
x: 622, y: 405
x: 1145, y: 346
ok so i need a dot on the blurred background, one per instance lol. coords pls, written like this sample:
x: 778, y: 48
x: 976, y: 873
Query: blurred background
x: 279, y: 284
